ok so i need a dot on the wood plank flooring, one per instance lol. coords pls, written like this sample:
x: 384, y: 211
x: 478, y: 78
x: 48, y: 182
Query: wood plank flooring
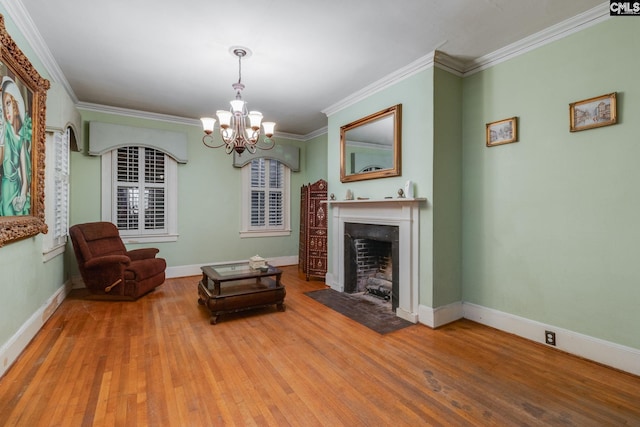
x: 158, y: 362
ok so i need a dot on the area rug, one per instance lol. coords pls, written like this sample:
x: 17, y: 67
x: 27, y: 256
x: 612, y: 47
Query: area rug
x: 368, y: 313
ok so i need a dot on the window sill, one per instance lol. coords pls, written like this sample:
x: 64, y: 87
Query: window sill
x: 269, y: 233
x: 149, y: 239
x: 53, y: 252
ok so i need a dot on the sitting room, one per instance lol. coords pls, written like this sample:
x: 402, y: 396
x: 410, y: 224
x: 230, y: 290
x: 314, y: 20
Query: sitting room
x: 319, y: 214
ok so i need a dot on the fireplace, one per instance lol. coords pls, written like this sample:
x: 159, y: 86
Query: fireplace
x: 371, y: 260
x: 403, y: 215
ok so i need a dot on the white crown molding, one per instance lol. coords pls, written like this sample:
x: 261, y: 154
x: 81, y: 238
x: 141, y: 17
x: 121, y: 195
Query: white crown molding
x: 316, y: 133
x: 138, y: 114
x: 563, y: 29
x: 463, y: 69
x: 22, y: 19
x: 385, y: 82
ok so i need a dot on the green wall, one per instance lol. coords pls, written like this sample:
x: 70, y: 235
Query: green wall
x: 27, y: 282
x: 431, y: 158
x: 316, y: 155
x: 416, y: 95
x: 544, y: 228
x: 550, y: 223
x: 209, y: 190
x: 447, y: 189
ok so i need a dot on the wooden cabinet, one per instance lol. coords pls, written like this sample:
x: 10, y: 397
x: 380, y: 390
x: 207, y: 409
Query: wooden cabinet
x: 312, y: 257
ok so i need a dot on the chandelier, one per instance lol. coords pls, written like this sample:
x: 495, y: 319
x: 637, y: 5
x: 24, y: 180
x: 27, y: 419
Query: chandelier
x: 239, y: 128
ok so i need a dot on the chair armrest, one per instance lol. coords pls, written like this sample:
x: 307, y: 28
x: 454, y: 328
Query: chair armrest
x: 143, y: 253
x: 106, y: 260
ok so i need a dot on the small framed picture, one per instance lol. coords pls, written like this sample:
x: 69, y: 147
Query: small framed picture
x: 502, y: 132
x: 593, y: 112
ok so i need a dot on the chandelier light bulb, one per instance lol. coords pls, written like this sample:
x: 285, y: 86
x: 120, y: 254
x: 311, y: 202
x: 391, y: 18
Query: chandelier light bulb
x: 237, y: 105
x: 208, y: 123
x: 268, y: 128
x: 255, y: 117
x: 224, y: 117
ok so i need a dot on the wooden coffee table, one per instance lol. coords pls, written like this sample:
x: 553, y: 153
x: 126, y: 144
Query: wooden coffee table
x: 229, y: 288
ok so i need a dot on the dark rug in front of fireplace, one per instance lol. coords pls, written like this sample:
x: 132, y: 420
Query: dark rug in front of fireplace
x: 374, y: 316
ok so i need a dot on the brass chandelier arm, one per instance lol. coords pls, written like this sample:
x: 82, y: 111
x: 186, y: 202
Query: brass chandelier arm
x: 271, y: 142
x: 209, y: 137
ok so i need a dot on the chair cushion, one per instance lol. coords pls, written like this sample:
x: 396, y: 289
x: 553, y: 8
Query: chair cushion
x: 99, y: 230
x: 143, y: 269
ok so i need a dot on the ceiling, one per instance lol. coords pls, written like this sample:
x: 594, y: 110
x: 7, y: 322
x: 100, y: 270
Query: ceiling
x: 173, y: 57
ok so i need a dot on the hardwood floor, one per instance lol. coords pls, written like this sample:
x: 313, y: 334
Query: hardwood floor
x: 158, y: 362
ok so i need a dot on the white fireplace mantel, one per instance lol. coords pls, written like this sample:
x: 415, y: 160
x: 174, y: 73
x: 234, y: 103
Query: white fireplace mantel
x: 401, y: 212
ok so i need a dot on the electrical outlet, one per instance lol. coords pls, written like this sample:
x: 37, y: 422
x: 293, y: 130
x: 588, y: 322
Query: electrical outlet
x: 550, y: 337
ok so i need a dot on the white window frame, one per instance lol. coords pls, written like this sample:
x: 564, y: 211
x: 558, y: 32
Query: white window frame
x: 109, y: 162
x: 247, y: 231
x: 56, y: 210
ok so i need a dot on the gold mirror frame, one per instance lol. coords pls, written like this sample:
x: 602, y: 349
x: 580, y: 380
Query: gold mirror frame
x: 366, y: 123
x: 26, y: 83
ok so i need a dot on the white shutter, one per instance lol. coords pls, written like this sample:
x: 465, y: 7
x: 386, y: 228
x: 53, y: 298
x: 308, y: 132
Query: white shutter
x: 267, y: 185
x: 61, y: 183
x: 265, y: 200
x: 258, y: 200
x: 276, y: 186
x: 154, y: 190
x: 140, y: 202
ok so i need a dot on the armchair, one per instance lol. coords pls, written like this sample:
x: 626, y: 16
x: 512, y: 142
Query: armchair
x: 108, y: 269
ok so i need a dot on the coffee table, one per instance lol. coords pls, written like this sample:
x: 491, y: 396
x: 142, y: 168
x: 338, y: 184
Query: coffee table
x: 229, y: 288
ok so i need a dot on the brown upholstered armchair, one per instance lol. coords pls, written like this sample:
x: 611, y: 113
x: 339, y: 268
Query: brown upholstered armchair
x: 108, y: 269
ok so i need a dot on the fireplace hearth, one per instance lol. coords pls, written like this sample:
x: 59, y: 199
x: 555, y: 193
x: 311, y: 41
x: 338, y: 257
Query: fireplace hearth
x: 402, y: 215
x: 371, y: 260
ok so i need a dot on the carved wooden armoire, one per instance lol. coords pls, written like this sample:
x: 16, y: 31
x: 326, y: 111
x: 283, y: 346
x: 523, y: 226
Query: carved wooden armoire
x: 312, y: 257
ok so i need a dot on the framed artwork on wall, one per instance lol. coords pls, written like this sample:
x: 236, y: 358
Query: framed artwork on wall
x: 22, y: 139
x: 502, y: 132
x: 593, y: 112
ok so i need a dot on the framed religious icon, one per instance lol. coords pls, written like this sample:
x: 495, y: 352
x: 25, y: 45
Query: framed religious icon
x: 22, y: 139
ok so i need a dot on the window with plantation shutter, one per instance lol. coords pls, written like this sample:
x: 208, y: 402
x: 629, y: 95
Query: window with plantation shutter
x: 61, y: 197
x: 266, y: 206
x: 57, y: 193
x: 140, y: 191
x: 142, y: 196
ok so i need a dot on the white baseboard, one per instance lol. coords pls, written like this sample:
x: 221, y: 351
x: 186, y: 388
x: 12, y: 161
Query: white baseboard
x: 607, y: 353
x: 440, y: 316
x: 611, y: 354
x: 332, y: 282
x: 12, y: 349
x: 194, y: 269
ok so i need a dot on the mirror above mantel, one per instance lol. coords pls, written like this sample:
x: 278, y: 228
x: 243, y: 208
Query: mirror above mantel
x: 370, y: 146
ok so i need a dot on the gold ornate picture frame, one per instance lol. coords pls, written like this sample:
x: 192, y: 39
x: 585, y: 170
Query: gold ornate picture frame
x: 593, y: 112
x: 502, y: 132
x: 22, y: 140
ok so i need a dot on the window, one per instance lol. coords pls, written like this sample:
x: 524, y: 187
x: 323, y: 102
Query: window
x: 266, y: 199
x: 139, y: 193
x: 56, y: 193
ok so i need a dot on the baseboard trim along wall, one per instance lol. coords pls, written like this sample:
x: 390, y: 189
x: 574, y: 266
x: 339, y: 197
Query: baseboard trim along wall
x: 12, y: 349
x: 607, y: 353
x: 194, y: 269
